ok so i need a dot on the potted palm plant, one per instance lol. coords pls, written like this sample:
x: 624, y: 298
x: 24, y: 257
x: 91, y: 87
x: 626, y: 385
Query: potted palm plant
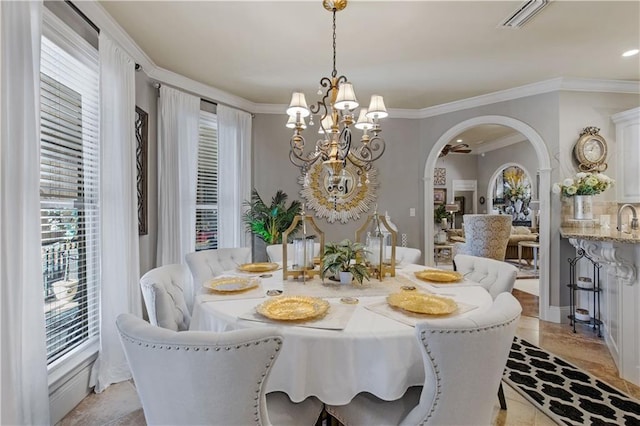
x: 341, y: 259
x: 269, y: 221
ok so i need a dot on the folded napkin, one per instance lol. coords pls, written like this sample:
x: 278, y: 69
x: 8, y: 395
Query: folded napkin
x: 336, y: 318
x: 410, y: 318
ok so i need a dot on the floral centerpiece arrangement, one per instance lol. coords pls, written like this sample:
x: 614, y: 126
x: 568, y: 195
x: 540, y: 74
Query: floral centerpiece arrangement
x: 583, y: 184
x: 516, y: 186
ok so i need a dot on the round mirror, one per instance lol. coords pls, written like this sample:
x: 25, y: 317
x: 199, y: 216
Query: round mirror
x: 341, y: 185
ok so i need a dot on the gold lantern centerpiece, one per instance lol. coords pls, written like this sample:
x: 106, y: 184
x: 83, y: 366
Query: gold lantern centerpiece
x: 380, y: 240
x: 303, y: 261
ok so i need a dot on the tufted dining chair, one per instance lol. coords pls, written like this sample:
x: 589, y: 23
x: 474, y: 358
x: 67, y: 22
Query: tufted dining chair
x: 207, y: 264
x: 486, y: 235
x: 274, y: 252
x: 495, y: 276
x: 198, y: 377
x: 406, y: 255
x: 165, y: 291
x: 459, y: 383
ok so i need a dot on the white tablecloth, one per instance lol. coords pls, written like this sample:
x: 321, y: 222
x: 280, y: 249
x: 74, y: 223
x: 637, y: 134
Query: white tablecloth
x: 373, y: 353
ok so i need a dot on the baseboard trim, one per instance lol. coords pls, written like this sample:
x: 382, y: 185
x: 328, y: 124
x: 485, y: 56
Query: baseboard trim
x: 557, y: 314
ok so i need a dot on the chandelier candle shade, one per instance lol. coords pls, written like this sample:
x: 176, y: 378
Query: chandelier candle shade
x: 336, y: 112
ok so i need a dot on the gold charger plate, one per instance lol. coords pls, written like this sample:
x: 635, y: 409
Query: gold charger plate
x: 439, y: 276
x: 231, y: 284
x: 258, y: 267
x: 293, y: 308
x: 422, y: 303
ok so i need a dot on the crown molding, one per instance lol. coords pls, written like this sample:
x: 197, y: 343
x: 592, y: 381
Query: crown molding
x: 626, y: 115
x: 541, y: 87
x: 96, y: 13
x: 270, y: 108
x: 106, y: 23
x: 545, y: 86
x: 181, y: 82
x: 609, y: 86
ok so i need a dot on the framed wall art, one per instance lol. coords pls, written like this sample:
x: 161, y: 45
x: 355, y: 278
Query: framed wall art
x: 439, y: 196
x: 439, y: 176
x: 141, y: 123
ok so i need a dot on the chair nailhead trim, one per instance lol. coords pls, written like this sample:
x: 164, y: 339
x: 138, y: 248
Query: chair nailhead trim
x: 435, y: 366
x: 217, y: 349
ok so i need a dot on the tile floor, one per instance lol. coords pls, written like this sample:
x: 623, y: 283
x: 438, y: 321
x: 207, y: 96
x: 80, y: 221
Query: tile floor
x: 119, y: 404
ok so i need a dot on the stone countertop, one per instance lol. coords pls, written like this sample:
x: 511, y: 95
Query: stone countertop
x: 599, y: 234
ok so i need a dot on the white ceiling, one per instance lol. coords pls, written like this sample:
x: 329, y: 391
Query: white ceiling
x: 415, y: 53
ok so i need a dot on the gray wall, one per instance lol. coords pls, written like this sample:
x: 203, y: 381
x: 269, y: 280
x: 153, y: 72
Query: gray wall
x: 557, y: 117
x: 400, y: 173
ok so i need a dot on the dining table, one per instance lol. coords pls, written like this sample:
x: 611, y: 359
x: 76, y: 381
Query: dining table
x: 362, y: 344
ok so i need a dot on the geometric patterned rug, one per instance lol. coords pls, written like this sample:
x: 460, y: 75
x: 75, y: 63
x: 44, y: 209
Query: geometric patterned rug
x: 567, y: 394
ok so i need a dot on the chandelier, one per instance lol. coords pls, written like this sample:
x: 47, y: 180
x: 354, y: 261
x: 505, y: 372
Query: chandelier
x: 336, y: 112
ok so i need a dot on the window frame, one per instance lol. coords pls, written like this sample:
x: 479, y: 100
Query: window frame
x: 61, y: 35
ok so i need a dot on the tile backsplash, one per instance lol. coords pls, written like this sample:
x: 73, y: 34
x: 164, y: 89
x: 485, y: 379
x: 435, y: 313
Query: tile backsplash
x: 603, y: 211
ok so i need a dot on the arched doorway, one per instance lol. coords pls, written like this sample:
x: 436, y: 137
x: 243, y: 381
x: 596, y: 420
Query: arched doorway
x: 492, y: 190
x: 544, y: 190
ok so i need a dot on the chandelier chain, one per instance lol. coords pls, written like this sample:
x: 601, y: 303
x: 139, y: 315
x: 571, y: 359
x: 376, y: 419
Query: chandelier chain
x: 334, y: 72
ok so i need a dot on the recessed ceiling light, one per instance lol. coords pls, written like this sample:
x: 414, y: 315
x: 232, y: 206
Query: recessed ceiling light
x: 630, y: 52
x: 459, y: 140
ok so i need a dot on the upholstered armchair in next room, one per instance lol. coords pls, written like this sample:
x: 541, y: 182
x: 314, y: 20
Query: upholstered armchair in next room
x: 486, y: 235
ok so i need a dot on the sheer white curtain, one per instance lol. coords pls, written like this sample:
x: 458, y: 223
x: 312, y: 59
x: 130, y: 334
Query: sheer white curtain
x: 120, y: 273
x: 24, y: 392
x: 234, y: 150
x: 178, y: 119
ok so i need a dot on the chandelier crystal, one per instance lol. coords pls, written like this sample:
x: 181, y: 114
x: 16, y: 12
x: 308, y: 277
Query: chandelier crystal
x: 336, y: 113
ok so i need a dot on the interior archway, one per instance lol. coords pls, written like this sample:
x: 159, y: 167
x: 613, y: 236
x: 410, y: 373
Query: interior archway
x: 544, y: 190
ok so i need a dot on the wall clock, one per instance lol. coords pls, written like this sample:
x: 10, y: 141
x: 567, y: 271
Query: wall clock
x: 342, y: 198
x: 591, y: 151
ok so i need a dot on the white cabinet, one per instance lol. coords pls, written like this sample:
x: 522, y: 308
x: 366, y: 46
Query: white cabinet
x: 628, y: 155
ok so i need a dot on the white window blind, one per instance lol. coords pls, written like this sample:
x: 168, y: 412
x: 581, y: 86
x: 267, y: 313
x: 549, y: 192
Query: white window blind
x: 69, y: 173
x: 207, y: 189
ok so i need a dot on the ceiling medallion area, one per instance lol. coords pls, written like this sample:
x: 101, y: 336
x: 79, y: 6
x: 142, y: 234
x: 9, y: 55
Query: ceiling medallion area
x: 341, y: 200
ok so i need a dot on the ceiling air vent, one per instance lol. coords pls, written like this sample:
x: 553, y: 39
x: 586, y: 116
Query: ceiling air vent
x: 524, y: 13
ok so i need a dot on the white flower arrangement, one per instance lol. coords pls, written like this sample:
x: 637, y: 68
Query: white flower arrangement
x: 583, y: 184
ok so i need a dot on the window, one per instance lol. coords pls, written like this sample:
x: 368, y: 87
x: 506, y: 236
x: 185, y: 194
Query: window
x: 69, y: 183
x: 207, y: 189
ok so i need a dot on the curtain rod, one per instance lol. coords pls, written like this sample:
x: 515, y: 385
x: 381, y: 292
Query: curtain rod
x: 157, y: 85
x: 83, y: 16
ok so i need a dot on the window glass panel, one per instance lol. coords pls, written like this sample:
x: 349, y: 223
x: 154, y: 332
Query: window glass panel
x: 69, y: 171
x: 207, y: 189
